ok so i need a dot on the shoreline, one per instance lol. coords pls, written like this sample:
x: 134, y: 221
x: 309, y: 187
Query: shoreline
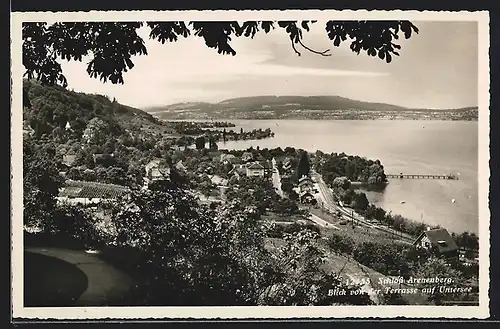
x: 314, y: 119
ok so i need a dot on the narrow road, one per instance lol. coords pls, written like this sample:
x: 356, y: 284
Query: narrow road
x: 277, y: 179
x: 106, y: 284
x: 322, y: 222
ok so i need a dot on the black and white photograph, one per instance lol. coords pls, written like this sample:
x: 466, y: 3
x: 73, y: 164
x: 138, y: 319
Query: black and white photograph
x: 205, y: 164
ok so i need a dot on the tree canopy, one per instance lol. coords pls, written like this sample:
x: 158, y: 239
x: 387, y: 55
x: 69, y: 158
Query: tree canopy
x: 111, y: 45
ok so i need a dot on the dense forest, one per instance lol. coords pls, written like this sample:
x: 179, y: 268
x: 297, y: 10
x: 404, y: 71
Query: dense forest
x: 109, y: 142
x: 355, y: 168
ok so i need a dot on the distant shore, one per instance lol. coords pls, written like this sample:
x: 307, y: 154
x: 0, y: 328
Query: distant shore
x: 200, y: 117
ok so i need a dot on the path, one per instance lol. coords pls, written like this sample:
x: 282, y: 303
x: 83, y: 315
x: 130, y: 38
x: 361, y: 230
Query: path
x: 321, y: 222
x: 277, y: 179
x: 105, y: 283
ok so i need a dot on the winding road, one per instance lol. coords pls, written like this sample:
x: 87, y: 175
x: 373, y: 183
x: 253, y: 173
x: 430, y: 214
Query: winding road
x: 106, y: 284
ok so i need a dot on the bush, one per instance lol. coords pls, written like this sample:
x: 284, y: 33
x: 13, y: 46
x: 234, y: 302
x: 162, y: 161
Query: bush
x: 74, y: 223
x: 341, y: 244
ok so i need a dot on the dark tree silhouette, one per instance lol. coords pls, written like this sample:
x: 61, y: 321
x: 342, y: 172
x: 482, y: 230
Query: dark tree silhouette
x: 200, y: 143
x: 112, y: 44
x: 304, y: 166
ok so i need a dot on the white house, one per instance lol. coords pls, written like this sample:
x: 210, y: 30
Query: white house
x: 156, y: 170
x: 255, y: 169
x: 68, y: 126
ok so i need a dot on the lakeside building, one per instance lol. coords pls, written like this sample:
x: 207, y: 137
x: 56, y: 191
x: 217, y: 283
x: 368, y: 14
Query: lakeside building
x: 439, y: 241
x: 86, y: 193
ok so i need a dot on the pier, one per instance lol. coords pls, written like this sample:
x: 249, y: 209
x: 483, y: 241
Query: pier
x: 421, y: 176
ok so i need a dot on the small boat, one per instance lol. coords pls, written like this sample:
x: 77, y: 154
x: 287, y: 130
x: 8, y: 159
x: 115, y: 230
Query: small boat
x: 453, y: 200
x: 403, y: 201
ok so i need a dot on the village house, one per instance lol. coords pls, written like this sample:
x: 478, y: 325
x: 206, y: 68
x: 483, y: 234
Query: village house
x: 306, y: 197
x: 68, y: 126
x: 239, y: 170
x: 156, y: 170
x: 306, y: 184
x: 287, y: 165
x: 255, y: 169
x: 86, y: 193
x: 268, y: 167
x: 27, y: 130
x: 226, y: 158
x: 100, y: 156
x: 439, y: 241
x: 247, y: 156
x: 180, y: 166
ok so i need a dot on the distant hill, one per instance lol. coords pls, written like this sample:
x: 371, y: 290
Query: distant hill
x: 51, y: 108
x: 303, y: 107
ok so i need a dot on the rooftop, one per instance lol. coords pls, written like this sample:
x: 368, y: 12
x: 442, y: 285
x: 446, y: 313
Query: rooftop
x: 255, y: 166
x: 441, y: 238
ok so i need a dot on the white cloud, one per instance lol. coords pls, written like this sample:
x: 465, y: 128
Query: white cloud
x: 165, y: 74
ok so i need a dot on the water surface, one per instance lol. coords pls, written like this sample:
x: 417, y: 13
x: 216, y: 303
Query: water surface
x: 415, y: 147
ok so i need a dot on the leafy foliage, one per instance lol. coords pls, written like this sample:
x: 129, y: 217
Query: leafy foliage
x: 388, y: 259
x: 200, y: 255
x: 41, y: 182
x: 437, y: 267
x: 354, y: 168
x: 111, y: 45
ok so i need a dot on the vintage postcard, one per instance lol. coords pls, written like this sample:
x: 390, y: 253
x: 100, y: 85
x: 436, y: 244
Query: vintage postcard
x: 250, y: 164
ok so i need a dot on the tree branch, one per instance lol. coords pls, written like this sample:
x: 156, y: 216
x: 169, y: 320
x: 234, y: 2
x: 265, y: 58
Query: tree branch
x: 295, y: 49
x: 322, y: 53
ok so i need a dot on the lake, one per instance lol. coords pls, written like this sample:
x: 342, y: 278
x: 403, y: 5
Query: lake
x: 414, y: 147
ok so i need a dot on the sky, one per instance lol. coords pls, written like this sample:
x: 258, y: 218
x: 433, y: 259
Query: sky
x: 437, y: 68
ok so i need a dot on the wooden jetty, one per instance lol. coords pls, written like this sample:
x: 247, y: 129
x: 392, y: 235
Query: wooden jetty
x: 421, y: 176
